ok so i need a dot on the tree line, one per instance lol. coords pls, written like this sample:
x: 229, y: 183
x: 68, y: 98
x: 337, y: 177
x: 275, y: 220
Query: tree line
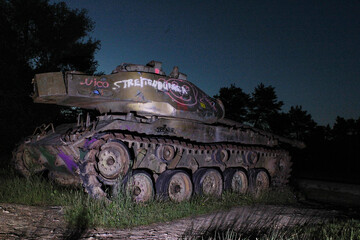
x: 36, y: 37
x: 262, y: 109
x: 331, y: 152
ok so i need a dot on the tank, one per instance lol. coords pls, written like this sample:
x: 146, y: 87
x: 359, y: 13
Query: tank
x: 157, y: 135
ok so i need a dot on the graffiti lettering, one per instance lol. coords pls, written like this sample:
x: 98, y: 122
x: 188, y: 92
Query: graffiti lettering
x: 189, y: 99
x: 160, y: 84
x: 96, y: 83
x: 181, y: 92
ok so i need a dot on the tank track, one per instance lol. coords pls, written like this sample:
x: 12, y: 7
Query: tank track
x: 140, y: 145
x: 18, y: 162
x: 23, y: 163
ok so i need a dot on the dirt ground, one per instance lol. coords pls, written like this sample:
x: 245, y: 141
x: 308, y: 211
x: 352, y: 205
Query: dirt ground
x: 33, y: 222
x: 29, y: 222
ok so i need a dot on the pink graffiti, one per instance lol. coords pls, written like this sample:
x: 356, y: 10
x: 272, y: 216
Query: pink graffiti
x: 209, y: 102
x: 184, y: 98
x: 95, y: 83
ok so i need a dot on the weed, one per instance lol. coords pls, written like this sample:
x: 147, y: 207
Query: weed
x: 35, y: 190
x: 82, y: 212
x: 122, y: 212
x: 333, y: 230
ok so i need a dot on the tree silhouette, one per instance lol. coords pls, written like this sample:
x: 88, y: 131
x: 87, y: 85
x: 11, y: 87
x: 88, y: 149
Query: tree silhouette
x: 48, y: 37
x: 38, y: 37
x: 235, y: 101
x: 344, y: 127
x: 264, y: 106
x: 280, y: 124
x: 301, y: 123
x: 326, y: 148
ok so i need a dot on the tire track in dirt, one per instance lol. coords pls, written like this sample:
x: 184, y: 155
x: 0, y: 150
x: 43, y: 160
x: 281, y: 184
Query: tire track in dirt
x: 30, y: 222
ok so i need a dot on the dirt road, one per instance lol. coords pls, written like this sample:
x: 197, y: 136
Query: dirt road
x: 29, y: 222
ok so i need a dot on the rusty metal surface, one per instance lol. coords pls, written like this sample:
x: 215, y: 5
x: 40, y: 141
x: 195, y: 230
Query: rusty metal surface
x: 155, y: 127
x: 49, y: 85
x: 146, y: 93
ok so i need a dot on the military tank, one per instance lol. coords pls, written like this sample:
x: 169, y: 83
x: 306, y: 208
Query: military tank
x: 156, y: 135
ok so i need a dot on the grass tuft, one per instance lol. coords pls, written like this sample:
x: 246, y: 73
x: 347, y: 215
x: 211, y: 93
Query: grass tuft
x: 82, y: 212
x: 122, y: 212
x: 33, y: 191
x: 333, y: 230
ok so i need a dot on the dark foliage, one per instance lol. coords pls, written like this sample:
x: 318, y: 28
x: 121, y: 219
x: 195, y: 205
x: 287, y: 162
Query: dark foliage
x: 236, y: 103
x: 296, y: 123
x: 331, y: 153
x: 38, y: 37
x: 264, y: 107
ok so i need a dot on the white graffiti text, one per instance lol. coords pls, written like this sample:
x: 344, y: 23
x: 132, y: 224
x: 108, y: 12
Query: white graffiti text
x: 161, y: 85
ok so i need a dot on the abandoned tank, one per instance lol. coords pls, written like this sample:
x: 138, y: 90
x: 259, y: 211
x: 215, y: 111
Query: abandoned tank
x: 156, y: 135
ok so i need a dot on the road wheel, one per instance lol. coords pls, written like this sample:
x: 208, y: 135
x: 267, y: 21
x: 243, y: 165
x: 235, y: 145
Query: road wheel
x: 175, y: 185
x: 113, y: 159
x: 139, y: 186
x: 104, y: 166
x: 208, y: 182
x: 236, y: 180
x: 259, y: 180
x: 283, y: 170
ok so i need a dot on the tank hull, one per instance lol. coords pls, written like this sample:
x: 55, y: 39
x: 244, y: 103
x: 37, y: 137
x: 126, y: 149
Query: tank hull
x: 72, y: 153
x: 160, y: 136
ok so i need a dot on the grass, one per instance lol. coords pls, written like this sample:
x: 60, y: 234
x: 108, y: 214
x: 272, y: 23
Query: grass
x: 82, y: 212
x: 333, y: 230
x: 122, y: 212
x: 33, y: 191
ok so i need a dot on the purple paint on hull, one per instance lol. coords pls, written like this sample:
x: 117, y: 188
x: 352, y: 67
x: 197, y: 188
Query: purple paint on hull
x: 89, y: 142
x: 70, y: 164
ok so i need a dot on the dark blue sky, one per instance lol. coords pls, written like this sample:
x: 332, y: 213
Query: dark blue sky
x: 308, y: 50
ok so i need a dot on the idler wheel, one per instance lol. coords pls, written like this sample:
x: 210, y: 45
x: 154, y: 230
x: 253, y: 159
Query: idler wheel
x: 236, y: 180
x: 251, y: 158
x: 175, y: 185
x: 259, y: 180
x: 25, y: 163
x: 139, y: 186
x: 28, y: 159
x: 208, y: 182
x: 113, y: 160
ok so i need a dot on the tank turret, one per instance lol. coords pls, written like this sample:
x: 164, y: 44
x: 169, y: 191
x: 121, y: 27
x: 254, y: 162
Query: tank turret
x: 145, y: 90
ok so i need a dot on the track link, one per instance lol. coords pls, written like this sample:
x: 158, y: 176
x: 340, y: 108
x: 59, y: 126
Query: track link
x: 97, y: 186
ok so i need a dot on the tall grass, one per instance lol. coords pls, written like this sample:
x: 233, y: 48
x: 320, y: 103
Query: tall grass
x: 82, y: 212
x: 35, y: 190
x: 333, y: 230
x: 121, y: 212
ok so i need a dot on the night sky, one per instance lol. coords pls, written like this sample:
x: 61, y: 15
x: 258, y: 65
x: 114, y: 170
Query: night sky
x: 308, y: 50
